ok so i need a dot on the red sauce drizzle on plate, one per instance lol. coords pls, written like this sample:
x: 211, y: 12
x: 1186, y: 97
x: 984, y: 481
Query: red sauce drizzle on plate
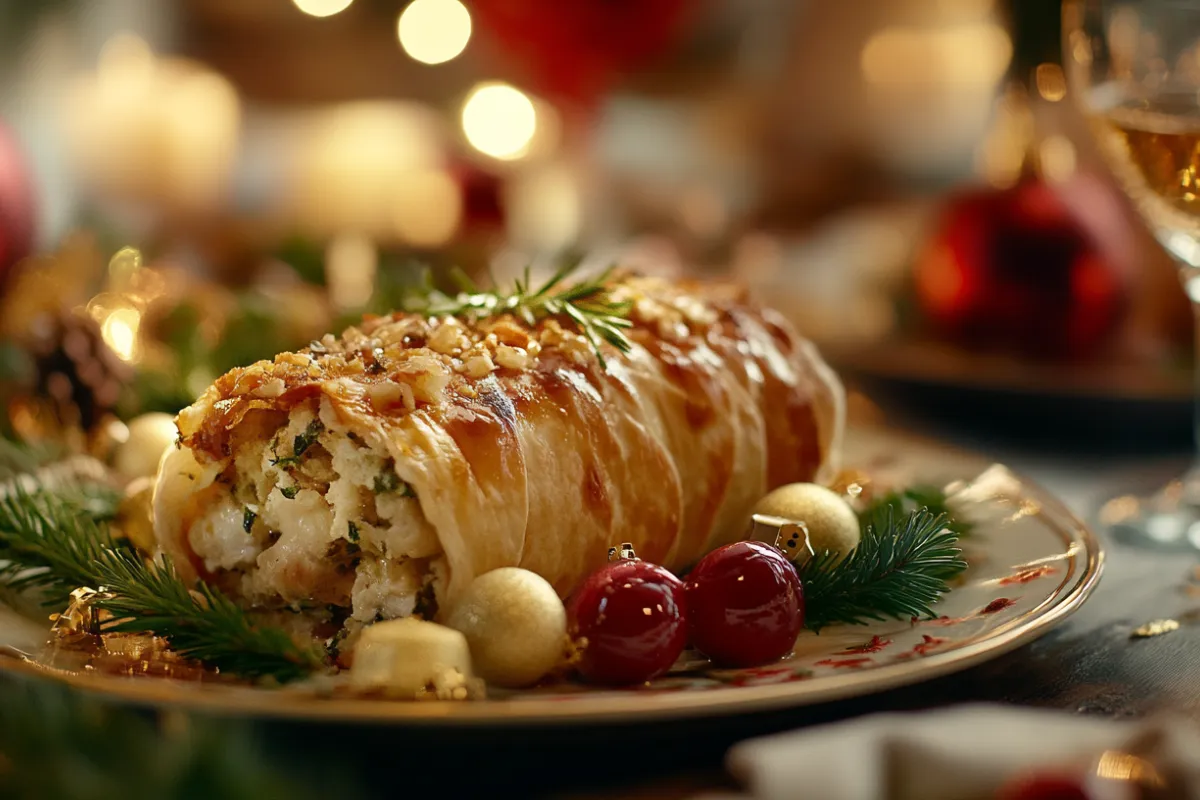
x: 1027, y: 575
x: 853, y: 663
x: 999, y: 604
x: 876, y: 644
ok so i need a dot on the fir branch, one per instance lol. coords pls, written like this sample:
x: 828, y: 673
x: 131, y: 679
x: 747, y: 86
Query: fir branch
x: 899, y: 570
x: 930, y: 498
x: 52, y: 546
x: 586, y: 304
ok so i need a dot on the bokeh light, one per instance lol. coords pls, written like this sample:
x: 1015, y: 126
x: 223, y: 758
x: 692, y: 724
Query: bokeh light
x: 322, y: 8
x: 351, y: 261
x: 427, y: 208
x: 434, y: 31
x: 120, y: 332
x: 499, y: 120
x: 960, y: 55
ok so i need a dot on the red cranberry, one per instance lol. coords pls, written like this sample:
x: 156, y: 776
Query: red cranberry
x: 745, y: 605
x: 631, y: 614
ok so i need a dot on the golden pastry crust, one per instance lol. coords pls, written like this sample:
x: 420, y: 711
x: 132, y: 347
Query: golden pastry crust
x: 524, y: 450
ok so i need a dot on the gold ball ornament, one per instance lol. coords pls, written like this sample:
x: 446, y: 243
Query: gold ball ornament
x: 515, y: 624
x: 831, y: 522
x: 135, y: 520
x: 150, y: 435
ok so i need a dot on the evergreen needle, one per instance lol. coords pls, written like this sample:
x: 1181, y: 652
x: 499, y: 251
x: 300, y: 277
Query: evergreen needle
x: 52, y: 545
x: 930, y: 498
x: 586, y: 304
x: 900, y: 568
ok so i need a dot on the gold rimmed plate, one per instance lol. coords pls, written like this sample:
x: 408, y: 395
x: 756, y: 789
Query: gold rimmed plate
x: 1032, y: 563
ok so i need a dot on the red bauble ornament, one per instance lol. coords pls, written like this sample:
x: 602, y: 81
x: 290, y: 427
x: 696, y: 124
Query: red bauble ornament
x: 16, y: 205
x: 631, y: 614
x: 1014, y: 269
x: 1044, y: 786
x: 745, y: 605
x: 575, y: 49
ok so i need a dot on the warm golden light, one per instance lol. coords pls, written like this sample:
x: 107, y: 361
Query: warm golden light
x: 1057, y: 156
x: 352, y: 159
x: 499, y: 120
x: 972, y: 55
x: 1050, y: 81
x: 124, y: 265
x: 160, y: 129
x: 119, y: 331
x: 428, y: 208
x: 350, y: 265
x: 544, y: 207
x: 322, y: 8
x: 434, y: 31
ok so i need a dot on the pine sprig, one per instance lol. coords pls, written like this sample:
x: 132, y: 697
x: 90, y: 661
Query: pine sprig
x: 900, y: 568
x: 52, y: 546
x: 587, y: 304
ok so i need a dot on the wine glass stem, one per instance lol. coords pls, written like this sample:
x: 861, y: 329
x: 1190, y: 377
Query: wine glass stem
x: 1191, y: 481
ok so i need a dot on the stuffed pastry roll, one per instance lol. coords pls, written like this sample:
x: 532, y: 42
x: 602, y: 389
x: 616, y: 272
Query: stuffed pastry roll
x: 377, y: 473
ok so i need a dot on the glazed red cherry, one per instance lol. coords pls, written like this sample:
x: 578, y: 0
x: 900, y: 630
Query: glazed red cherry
x: 631, y: 614
x: 745, y: 605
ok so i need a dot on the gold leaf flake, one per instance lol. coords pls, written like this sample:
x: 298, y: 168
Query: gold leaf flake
x: 1155, y: 628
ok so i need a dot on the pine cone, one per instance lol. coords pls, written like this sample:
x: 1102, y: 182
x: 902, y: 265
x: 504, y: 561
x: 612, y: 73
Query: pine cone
x: 75, y: 370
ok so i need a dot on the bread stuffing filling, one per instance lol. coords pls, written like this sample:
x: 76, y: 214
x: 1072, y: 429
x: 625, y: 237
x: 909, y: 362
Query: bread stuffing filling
x: 313, y: 516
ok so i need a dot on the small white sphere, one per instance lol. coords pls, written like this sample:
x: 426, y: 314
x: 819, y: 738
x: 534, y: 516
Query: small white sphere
x: 403, y: 656
x: 149, y: 437
x: 515, y: 625
x: 831, y: 522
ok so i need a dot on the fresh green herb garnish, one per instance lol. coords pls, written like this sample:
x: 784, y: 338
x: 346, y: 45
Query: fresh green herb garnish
x: 353, y: 532
x: 901, y: 567
x: 587, y: 304
x: 248, y: 517
x: 388, y: 481
x: 290, y: 492
x: 300, y: 444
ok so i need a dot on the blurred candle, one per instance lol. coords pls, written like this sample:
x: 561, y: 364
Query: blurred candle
x: 160, y: 130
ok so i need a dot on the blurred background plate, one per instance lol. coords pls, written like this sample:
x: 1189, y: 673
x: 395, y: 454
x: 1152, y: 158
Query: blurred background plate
x: 1117, y: 406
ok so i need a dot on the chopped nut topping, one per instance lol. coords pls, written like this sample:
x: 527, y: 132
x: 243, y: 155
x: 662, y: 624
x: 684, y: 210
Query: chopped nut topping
x: 449, y: 338
x: 387, y: 395
x: 513, y: 357
x: 270, y: 388
x: 478, y: 364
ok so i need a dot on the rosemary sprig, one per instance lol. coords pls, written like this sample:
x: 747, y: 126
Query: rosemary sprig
x: 52, y: 546
x: 587, y: 304
x: 900, y: 568
x: 930, y: 498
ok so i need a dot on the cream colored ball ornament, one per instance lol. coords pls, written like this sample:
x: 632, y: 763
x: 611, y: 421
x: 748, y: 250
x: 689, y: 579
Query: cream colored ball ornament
x: 831, y: 522
x: 150, y: 435
x: 515, y: 624
x: 403, y: 657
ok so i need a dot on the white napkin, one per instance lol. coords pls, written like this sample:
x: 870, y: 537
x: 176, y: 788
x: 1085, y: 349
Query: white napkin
x: 951, y: 754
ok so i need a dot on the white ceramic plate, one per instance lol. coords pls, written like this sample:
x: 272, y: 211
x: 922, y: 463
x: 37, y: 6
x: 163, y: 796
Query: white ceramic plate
x: 1031, y: 564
